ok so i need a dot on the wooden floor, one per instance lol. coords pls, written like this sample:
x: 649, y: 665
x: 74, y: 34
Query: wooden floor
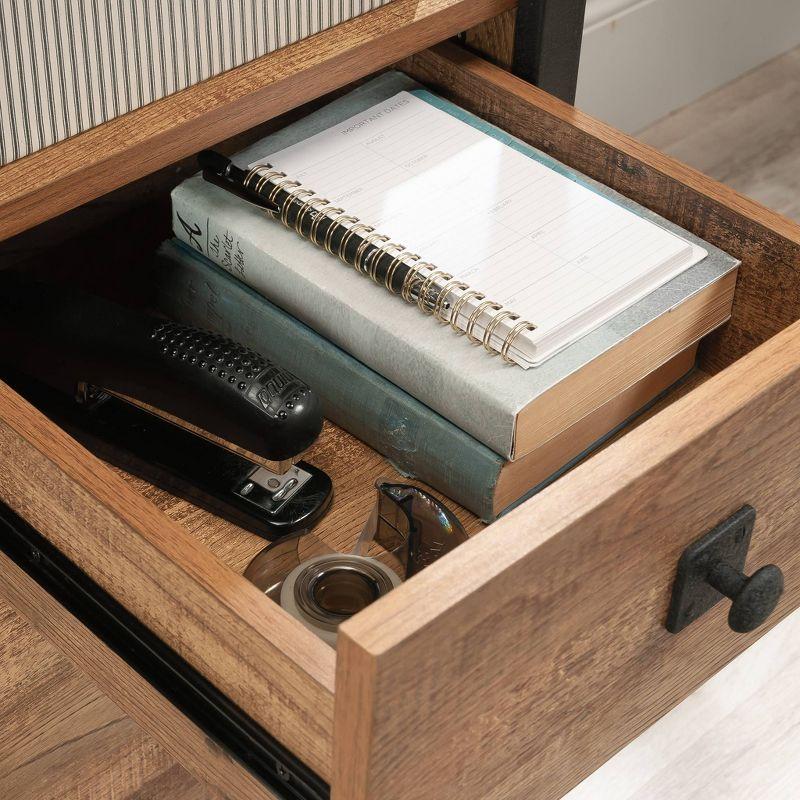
x: 746, y: 134
x: 62, y: 739
x: 738, y: 736
x: 735, y: 738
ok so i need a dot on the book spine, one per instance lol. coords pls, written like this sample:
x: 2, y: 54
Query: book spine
x: 416, y: 440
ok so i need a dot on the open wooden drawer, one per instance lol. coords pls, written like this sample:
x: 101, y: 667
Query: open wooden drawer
x: 518, y: 663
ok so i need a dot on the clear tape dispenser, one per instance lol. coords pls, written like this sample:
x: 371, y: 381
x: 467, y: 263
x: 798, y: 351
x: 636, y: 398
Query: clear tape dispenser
x: 407, y: 530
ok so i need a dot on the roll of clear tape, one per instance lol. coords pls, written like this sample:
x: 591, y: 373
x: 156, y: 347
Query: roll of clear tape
x: 318, y: 586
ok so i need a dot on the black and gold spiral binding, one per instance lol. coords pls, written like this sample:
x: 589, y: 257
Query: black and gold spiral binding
x: 371, y: 253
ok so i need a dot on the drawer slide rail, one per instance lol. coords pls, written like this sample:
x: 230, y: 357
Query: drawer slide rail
x: 195, y: 697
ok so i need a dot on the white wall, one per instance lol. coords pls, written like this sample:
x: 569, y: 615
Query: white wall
x: 641, y: 60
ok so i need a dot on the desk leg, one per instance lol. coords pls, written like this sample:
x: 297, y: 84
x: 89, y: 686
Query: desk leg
x: 547, y: 44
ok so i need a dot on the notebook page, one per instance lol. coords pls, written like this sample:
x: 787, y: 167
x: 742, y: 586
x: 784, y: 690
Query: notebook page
x: 524, y: 235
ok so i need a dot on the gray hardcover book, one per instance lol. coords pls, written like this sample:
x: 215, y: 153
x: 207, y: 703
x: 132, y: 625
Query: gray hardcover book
x: 483, y: 396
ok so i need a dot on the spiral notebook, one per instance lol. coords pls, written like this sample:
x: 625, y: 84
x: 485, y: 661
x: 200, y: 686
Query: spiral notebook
x: 503, y: 248
x: 510, y: 410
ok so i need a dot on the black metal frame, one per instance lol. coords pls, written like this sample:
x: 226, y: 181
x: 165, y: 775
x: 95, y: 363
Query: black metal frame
x: 181, y: 684
x: 547, y: 44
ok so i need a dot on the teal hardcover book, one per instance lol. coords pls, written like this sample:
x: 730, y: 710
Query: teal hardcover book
x: 416, y: 440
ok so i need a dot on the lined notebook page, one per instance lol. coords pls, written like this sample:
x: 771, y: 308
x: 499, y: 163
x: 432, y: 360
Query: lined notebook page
x: 545, y: 247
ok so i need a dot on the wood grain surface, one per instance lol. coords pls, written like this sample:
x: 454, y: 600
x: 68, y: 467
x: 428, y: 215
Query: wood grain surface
x: 745, y: 134
x: 354, y: 468
x: 61, y: 738
x: 518, y: 664
x: 494, y: 39
x: 262, y: 659
x: 58, y: 178
x: 734, y: 738
x: 60, y: 733
x: 768, y: 291
x: 186, y: 743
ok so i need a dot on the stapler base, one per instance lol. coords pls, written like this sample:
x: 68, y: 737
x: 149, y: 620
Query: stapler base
x: 198, y: 470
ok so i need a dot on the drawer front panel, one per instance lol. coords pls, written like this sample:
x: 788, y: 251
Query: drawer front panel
x: 523, y: 660
x: 263, y: 661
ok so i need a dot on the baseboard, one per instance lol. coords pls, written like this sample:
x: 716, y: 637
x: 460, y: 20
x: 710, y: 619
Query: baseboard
x: 642, y: 60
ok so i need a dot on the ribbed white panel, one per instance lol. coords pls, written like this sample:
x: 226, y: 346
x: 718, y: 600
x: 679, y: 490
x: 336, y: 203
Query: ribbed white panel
x: 67, y: 65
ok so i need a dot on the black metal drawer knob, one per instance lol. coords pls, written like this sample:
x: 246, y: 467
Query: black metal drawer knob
x: 712, y: 566
x: 754, y: 598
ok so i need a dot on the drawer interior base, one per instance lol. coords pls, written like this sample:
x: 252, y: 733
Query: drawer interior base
x: 354, y: 468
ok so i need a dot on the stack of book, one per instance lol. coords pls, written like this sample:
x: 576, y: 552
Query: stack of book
x: 591, y: 305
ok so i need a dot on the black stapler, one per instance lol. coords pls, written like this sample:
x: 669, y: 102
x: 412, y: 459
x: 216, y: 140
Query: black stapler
x: 190, y: 411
